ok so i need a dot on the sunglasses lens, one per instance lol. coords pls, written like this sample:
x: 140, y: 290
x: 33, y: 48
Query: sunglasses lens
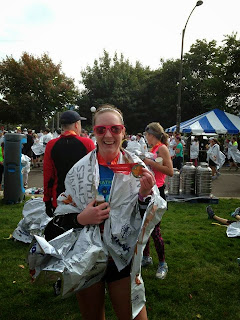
x: 100, y: 130
x: 116, y: 129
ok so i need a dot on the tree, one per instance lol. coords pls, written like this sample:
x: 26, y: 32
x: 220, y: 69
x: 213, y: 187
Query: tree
x: 214, y: 74
x: 115, y: 81
x: 33, y: 89
x: 206, y: 82
x: 230, y: 59
x: 161, y: 94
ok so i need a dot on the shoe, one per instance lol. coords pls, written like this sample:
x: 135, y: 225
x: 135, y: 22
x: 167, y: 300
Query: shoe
x: 57, y: 287
x: 162, y: 270
x: 146, y: 261
x: 236, y: 212
x: 210, y: 212
x: 218, y: 174
x: 214, y: 177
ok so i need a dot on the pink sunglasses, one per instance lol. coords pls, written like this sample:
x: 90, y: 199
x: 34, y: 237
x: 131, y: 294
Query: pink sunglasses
x: 115, y: 129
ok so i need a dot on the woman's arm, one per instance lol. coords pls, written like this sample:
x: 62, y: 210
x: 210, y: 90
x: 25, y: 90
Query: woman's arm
x: 166, y: 167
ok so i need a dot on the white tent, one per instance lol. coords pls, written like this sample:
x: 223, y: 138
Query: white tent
x: 215, y: 121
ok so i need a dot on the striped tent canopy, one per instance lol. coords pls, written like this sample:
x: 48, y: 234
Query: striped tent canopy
x: 215, y: 121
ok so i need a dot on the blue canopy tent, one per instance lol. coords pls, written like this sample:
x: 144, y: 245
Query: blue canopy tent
x: 215, y: 121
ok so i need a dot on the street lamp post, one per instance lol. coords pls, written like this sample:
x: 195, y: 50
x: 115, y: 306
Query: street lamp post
x: 93, y: 110
x: 199, y: 3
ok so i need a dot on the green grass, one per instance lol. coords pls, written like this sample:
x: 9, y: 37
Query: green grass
x: 202, y: 282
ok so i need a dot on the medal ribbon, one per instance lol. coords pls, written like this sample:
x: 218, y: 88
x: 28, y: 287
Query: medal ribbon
x: 125, y: 168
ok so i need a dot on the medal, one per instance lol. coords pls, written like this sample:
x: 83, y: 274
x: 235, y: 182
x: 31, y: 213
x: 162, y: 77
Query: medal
x: 127, y: 168
x: 137, y: 170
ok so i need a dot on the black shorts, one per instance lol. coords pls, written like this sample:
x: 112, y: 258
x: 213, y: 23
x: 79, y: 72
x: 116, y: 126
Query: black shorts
x: 211, y: 163
x: 35, y: 156
x: 112, y: 274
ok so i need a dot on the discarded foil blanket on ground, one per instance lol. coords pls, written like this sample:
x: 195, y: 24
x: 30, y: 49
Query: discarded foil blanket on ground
x: 33, y: 222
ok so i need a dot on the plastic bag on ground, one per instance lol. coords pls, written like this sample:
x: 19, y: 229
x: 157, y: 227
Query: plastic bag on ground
x: 233, y: 230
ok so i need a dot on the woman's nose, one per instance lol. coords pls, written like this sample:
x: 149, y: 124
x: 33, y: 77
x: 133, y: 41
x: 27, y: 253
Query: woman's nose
x: 108, y: 133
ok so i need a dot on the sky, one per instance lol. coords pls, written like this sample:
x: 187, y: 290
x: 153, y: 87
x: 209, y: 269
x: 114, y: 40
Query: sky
x: 75, y: 32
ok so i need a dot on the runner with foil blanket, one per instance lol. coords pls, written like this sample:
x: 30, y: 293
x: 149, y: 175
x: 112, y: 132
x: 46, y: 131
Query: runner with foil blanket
x: 103, y: 248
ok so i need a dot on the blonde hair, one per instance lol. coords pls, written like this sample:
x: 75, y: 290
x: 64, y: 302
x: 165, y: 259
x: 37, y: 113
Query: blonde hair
x: 157, y: 130
x: 108, y: 108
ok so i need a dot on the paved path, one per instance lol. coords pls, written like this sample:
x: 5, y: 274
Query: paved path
x: 227, y: 184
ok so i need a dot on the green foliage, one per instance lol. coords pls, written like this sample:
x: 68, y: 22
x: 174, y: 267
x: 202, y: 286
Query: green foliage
x: 214, y: 74
x: 202, y: 63
x: 202, y: 281
x: 116, y: 81
x: 211, y: 78
x: 33, y: 89
x: 230, y: 57
x: 161, y: 94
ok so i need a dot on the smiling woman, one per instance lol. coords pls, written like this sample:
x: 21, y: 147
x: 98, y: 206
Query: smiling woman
x: 117, y: 221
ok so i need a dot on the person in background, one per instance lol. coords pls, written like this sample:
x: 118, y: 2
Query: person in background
x: 84, y: 133
x: 133, y: 145
x: 212, y: 215
x: 36, y: 151
x: 18, y: 130
x: 47, y: 136
x: 27, y: 146
x: 178, y: 160
x: 141, y: 140
x: 26, y: 167
x: 215, y: 157
x: 161, y: 166
x: 56, y: 133
x: 124, y: 141
x: 194, y: 150
x: 43, y: 140
x: 233, y: 153
x: 93, y: 138
x: 171, y: 145
x: 60, y: 155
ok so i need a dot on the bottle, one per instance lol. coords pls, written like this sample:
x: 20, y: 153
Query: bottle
x: 99, y: 199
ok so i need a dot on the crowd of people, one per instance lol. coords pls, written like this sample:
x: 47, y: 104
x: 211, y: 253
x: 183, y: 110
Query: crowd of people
x: 71, y: 156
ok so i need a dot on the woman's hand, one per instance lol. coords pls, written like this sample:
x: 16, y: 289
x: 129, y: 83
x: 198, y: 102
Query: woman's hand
x: 148, y: 161
x: 94, y: 215
x: 147, y: 181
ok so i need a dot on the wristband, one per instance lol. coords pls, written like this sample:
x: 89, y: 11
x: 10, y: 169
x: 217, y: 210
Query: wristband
x: 143, y: 199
